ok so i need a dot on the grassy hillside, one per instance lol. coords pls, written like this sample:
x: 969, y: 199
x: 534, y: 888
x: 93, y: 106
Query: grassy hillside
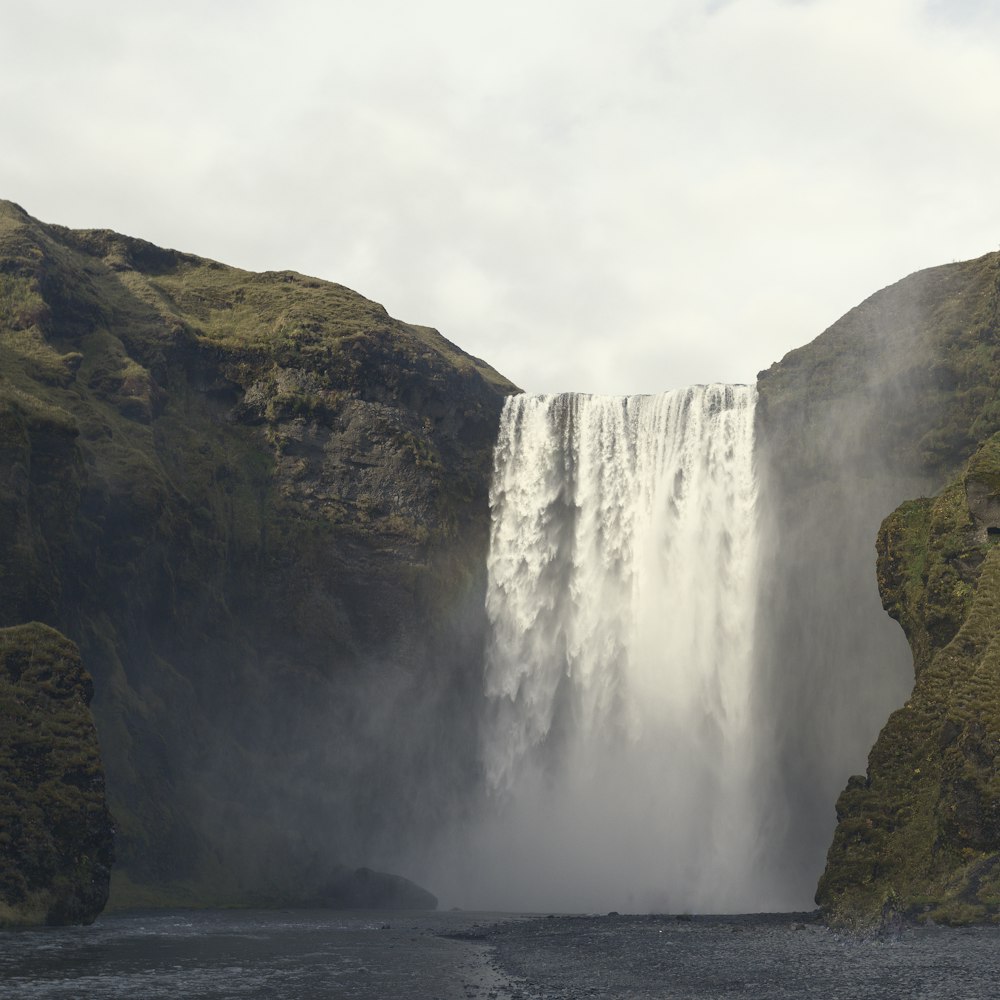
x: 259, y: 505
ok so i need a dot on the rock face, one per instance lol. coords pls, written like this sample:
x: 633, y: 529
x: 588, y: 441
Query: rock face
x: 888, y: 404
x: 56, y: 834
x: 259, y: 505
x: 920, y: 833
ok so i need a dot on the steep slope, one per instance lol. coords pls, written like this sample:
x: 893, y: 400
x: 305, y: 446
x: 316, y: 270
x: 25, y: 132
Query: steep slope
x: 259, y: 506
x: 887, y: 404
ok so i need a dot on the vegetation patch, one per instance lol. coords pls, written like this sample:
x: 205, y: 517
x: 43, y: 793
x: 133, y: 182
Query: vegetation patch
x: 922, y: 827
x: 56, y: 835
x: 258, y: 504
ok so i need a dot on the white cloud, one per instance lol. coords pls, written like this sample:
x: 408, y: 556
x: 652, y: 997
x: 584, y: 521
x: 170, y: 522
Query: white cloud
x: 603, y: 199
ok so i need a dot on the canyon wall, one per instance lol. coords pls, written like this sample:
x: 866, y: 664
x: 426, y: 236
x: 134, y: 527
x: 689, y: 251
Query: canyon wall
x: 887, y: 405
x: 258, y: 505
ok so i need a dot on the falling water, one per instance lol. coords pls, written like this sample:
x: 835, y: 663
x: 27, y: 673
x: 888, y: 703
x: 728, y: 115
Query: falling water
x: 620, y: 749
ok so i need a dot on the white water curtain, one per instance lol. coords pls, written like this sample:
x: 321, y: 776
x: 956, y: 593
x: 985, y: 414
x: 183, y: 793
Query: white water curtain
x: 620, y: 747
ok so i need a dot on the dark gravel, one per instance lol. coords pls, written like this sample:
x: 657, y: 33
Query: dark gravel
x: 768, y: 956
x: 300, y: 955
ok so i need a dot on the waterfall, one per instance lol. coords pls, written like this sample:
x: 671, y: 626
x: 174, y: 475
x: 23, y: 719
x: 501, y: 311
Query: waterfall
x: 620, y: 746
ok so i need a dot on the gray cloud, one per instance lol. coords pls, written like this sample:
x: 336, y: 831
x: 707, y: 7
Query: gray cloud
x: 596, y: 199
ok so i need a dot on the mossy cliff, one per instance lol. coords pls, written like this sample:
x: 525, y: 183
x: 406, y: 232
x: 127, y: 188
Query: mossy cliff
x: 920, y: 833
x: 888, y: 404
x: 56, y: 835
x: 258, y: 504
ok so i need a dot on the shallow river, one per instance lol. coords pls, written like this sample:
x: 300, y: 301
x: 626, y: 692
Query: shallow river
x: 306, y: 955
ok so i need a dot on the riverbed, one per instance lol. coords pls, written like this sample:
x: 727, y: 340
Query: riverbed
x: 316, y: 955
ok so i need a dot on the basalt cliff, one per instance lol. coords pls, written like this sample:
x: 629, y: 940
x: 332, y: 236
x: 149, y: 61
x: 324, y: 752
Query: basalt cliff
x: 257, y: 504
x: 255, y: 508
x: 895, y: 410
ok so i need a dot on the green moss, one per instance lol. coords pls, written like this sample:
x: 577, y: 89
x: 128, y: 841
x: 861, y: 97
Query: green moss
x: 924, y: 824
x: 56, y: 850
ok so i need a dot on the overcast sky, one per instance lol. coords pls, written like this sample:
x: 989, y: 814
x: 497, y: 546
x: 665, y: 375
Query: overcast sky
x: 607, y: 197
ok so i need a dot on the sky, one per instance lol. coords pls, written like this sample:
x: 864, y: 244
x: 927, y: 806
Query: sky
x: 602, y: 197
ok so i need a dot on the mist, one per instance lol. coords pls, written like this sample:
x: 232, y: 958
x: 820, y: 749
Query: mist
x: 642, y: 687
x: 842, y: 439
x: 642, y: 746
x: 617, y: 744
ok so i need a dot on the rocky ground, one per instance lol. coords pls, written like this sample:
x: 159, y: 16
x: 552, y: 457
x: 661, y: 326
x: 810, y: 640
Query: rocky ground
x: 772, y: 956
x: 315, y: 955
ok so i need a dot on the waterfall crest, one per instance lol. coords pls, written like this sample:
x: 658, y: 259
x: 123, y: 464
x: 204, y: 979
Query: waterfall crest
x: 619, y: 748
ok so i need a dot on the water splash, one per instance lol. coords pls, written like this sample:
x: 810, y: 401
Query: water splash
x: 620, y: 748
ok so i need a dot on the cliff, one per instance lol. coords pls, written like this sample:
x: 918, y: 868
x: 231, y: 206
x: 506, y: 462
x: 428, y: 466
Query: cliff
x: 888, y: 404
x: 258, y: 504
x: 56, y: 835
x: 920, y: 833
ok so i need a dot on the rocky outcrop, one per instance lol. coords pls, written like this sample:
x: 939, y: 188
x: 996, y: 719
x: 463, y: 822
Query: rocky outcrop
x: 887, y: 404
x: 920, y: 832
x: 259, y: 505
x: 56, y: 834
x: 897, y: 400
x: 364, y: 889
